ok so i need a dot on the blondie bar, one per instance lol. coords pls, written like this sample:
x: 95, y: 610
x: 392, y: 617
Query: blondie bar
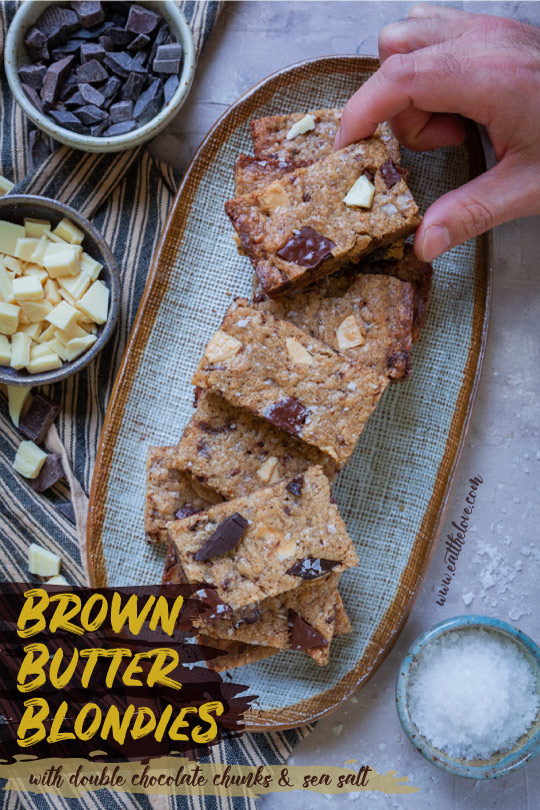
x: 293, y: 380
x: 264, y: 544
x: 299, y: 228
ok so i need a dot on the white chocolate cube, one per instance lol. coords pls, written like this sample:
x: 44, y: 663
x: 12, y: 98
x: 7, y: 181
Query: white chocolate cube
x: 77, y: 346
x: 27, y: 288
x: 9, y: 318
x: 32, y: 329
x: 17, y: 397
x: 68, y: 231
x: 6, y: 285
x: 24, y: 248
x: 42, y: 358
x: 63, y: 315
x: 39, y: 252
x: 5, y: 351
x: 65, y: 335
x: 35, y: 270
x: 36, y: 227
x: 58, y: 348
x: 36, y: 311
x: 95, y: 302
x: 42, y: 562
x: 91, y: 266
x: 47, y: 334
x: 5, y: 186
x: 29, y: 460
x: 20, y: 350
x: 13, y: 264
x: 9, y: 233
x: 76, y: 286
x: 62, y: 260
x: 50, y: 289
x: 59, y: 580
x: 304, y: 125
x: 361, y: 194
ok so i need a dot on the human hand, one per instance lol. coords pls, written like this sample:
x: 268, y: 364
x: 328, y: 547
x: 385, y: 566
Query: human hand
x: 440, y: 64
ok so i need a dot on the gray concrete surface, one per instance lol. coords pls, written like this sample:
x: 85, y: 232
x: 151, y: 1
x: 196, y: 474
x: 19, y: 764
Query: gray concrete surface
x: 498, y: 572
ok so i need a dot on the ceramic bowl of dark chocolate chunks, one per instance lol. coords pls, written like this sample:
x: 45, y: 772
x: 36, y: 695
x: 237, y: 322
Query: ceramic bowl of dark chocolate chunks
x: 100, y: 76
x: 48, y: 319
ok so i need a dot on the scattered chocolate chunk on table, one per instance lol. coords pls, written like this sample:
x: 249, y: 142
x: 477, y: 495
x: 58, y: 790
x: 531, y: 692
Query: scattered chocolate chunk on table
x: 170, y: 493
x: 314, y: 220
x: 366, y: 317
x: 283, y: 530
x: 234, y: 452
x: 291, y: 379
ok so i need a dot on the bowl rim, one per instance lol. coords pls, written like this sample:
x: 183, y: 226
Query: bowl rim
x: 70, y: 368
x: 92, y: 143
x: 516, y: 758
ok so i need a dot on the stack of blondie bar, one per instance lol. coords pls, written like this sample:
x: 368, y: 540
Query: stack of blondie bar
x: 286, y: 386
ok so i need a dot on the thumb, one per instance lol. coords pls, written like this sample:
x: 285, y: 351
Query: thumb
x: 503, y: 193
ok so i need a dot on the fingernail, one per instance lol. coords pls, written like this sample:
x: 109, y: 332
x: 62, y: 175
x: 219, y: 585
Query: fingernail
x: 337, y: 140
x: 436, y: 241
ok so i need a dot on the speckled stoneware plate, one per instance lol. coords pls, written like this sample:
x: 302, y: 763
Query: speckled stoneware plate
x: 393, y: 494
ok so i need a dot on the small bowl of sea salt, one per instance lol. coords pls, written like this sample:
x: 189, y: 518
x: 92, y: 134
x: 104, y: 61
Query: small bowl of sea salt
x: 468, y: 697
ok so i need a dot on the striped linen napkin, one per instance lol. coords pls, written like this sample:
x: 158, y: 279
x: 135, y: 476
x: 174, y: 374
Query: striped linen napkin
x: 128, y: 196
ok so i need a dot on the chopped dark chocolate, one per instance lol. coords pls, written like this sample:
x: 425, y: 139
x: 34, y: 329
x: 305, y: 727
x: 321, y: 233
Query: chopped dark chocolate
x: 312, y: 567
x: 187, y: 510
x: 306, y: 247
x: 92, y: 72
x: 167, y: 59
x: 123, y: 64
x: 49, y: 475
x: 223, y: 539
x: 141, y: 20
x: 91, y: 50
x: 91, y: 96
x: 170, y: 87
x: 216, y: 606
x: 36, y: 45
x: 111, y: 88
x: 57, y: 23
x: 68, y: 120
x: 302, y: 635
x: 295, y: 485
x: 98, y: 129
x: 149, y: 103
x: 119, y: 35
x: 75, y: 101
x: 38, y: 418
x: 33, y: 75
x: 54, y: 78
x: 132, y: 87
x: 90, y: 13
x: 39, y: 148
x: 106, y: 42
x: 288, y: 414
x: 91, y: 115
x: 121, y: 111
x: 391, y: 173
x: 120, y: 129
x: 69, y: 87
x: 32, y: 96
x: 141, y: 41
x: 66, y: 509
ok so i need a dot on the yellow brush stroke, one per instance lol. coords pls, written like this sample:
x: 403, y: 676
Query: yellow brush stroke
x: 18, y: 778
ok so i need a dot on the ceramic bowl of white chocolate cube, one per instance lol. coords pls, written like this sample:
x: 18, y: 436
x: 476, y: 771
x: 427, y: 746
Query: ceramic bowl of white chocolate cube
x: 59, y: 291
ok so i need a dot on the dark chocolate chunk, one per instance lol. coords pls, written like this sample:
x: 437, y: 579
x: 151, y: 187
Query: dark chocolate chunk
x: 54, y: 79
x: 69, y: 87
x: 38, y: 418
x: 32, y: 96
x: 57, y: 23
x: 91, y: 95
x: 302, y: 635
x: 141, y: 57
x: 132, y: 87
x: 92, y: 34
x: 91, y: 115
x: 68, y: 120
x: 392, y: 173
x: 186, y: 511
x: 90, y: 13
x: 370, y: 175
x: 167, y: 58
x: 39, y: 147
x: 68, y: 48
x: 141, y: 41
x: 33, y: 75
x: 208, y: 597
x: 224, y: 538
x: 98, y: 129
x: 170, y: 87
x: 36, y: 45
x: 51, y: 472
x: 121, y: 111
x: 91, y: 72
x: 66, y: 509
x: 215, y: 429
x: 312, y: 567
x: 75, y: 101
x: 141, y: 20
x: 149, y: 103
x: 123, y: 64
x: 110, y: 88
x: 121, y: 128
x: 306, y: 247
x: 119, y: 35
x: 288, y: 414
x: 106, y: 43
x: 91, y: 50
x: 161, y: 38
x: 295, y: 485
x: 249, y: 615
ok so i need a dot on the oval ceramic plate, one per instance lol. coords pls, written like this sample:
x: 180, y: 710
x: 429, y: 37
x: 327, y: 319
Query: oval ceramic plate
x: 394, y: 493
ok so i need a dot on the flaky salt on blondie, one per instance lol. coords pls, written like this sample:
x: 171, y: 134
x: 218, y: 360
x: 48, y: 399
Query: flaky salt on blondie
x: 314, y: 220
x: 291, y: 379
x: 264, y: 544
